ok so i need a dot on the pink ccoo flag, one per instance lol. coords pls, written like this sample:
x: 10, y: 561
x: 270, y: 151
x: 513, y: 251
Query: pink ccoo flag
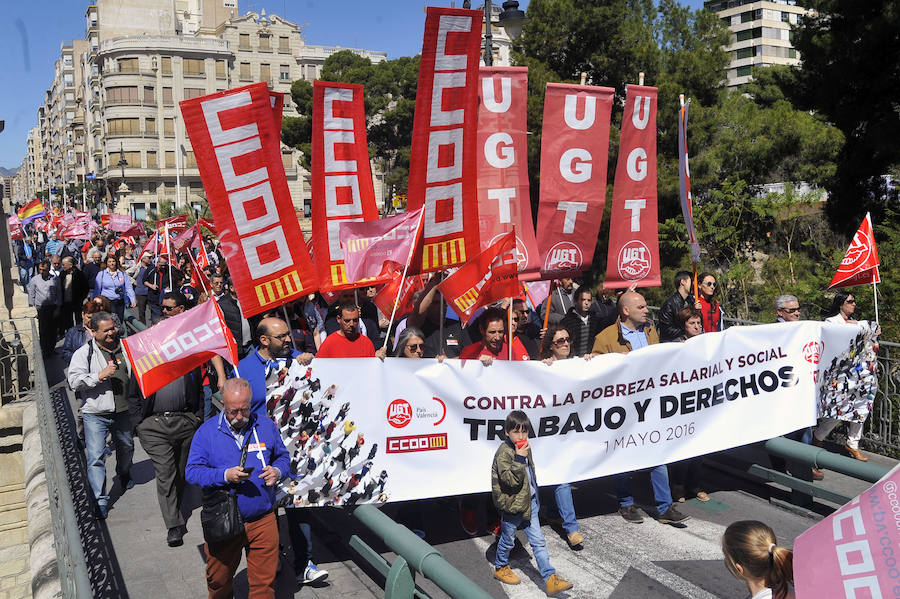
x: 852, y: 553
x: 368, y: 245
x: 177, y: 345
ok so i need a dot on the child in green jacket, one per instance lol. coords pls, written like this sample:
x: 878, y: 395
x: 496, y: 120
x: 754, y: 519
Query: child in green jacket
x: 515, y: 493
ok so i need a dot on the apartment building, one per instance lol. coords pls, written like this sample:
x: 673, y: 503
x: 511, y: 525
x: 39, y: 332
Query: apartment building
x: 760, y: 34
x: 138, y: 60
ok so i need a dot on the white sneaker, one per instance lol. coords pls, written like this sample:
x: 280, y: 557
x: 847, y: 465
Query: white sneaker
x: 313, y: 574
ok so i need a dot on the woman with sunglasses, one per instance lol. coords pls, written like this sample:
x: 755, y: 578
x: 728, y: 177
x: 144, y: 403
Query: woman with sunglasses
x: 411, y: 344
x: 710, y: 310
x: 842, y: 308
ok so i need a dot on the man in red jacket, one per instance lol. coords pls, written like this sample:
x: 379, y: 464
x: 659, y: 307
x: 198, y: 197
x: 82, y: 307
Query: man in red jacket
x: 347, y: 342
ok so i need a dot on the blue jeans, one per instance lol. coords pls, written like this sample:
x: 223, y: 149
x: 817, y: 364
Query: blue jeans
x: 25, y: 273
x: 95, y: 430
x: 509, y: 524
x: 659, y: 479
x: 209, y: 410
x: 565, y: 507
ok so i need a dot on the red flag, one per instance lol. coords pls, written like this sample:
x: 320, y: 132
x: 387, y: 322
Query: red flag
x: 208, y: 224
x: 684, y: 182
x: 574, y: 148
x: 342, y: 189
x: 367, y: 246
x: 238, y: 148
x: 136, y: 229
x: 442, y: 175
x: 179, y: 344
x: 503, y: 200
x: 177, y: 224
x: 104, y: 220
x: 119, y: 222
x: 633, y: 255
x: 199, y: 280
x: 488, y: 277
x: 388, y: 294
x: 860, y: 264
x: 186, y: 238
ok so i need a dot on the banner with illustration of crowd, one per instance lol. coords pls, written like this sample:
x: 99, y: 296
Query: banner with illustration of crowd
x: 410, y: 429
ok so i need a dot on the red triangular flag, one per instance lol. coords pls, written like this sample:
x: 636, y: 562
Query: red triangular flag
x: 860, y: 263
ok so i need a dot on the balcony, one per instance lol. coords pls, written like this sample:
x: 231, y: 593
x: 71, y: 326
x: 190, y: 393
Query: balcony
x: 174, y: 44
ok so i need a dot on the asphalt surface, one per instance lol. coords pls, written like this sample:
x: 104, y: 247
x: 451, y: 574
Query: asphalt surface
x: 617, y: 560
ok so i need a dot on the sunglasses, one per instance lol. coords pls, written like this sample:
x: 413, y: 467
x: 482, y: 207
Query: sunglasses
x: 850, y: 301
x: 711, y: 284
x: 791, y: 310
x: 415, y: 346
x: 168, y: 308
x: 562, y: 341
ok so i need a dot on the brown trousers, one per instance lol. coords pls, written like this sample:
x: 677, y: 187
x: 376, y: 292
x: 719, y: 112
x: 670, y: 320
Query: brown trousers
x: 260, y: 539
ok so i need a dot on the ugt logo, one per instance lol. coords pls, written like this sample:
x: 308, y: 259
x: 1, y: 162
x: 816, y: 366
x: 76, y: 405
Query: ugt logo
x: 399, y: 413
x: 634, y: 261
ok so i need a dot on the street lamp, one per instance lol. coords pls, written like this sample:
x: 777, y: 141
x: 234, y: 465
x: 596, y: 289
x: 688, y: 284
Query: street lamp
x: 511, y: 19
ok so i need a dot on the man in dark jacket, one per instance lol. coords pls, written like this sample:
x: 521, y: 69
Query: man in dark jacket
x: 582, y: 324
x: 25, y: 260
x: 669, y: 327
x: 230, y: 309
x: 73, y: 285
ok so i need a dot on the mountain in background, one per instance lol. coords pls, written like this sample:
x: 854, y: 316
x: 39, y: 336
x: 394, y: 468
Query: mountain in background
x: 8, y: 172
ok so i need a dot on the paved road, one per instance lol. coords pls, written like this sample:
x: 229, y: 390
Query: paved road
x: 618, y: 560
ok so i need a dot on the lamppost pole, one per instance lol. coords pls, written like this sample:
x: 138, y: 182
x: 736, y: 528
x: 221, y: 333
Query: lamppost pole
x: 511, y: 19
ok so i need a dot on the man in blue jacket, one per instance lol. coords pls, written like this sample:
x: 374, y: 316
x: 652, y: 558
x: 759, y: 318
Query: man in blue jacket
x: 213, y: 463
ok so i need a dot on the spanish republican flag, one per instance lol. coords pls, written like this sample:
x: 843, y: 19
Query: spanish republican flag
x: 31, y: 211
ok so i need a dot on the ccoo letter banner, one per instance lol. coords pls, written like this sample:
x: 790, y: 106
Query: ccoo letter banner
x: 237, y: 145
x: 574, y: 148
x: 442, y: 175
x: 503, y: 200
x: 633, y: 255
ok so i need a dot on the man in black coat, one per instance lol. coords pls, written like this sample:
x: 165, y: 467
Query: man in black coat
x: 669, y: 327
x: 582, y: 324
x: 73, y: 285
x: 230, y: 309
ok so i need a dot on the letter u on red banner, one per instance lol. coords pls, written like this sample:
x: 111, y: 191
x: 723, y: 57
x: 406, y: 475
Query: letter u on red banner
x: 633, y: 255
x: 342, y: 189
x: 237, y: 144
x: 442, y: 175
x: 503, y: 200
x: 574, y: 149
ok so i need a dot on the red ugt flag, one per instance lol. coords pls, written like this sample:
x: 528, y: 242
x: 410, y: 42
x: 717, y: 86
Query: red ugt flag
x: 490, y: 276
x: 860, y: 264
x: 179, y: 344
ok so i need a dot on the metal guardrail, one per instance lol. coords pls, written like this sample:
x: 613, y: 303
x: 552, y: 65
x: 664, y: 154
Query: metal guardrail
x: 413, y: 556
x: 17, y: 382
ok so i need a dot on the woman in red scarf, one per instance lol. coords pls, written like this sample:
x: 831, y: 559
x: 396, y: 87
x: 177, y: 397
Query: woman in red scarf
x: 710, y: 310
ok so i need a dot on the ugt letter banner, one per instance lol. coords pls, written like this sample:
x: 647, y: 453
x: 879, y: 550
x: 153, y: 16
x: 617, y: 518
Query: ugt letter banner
x: 237, y: 146
x: 442, y: 175
x: 633, y: 255
x: 574, y: 149
x: 410, y: 419
x: 342, y: 189
x: 503, y: 200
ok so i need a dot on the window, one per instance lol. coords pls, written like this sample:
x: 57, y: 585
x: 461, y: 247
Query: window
x: 169, y: 186
x: 746, y: 53
x: 265, y: 72
x: 189, y: 160
x: 285, y: 72
x: 265, y: 42
x: 169, y: 127
x: 167, y: 96
x: 166, y: 65
x: 128, y: 65
x: 287, y: 160
x: 67, y: 60
x: 196, y: 187
x: 792, y: 53
x: 69, y: 79
x: 150, y: 126
x: 220, y: 69
x: 245, y: 71
x: 149, y: 94
x: 743, y: 71
x: 194, y: 66
x: 151, y: 160
x: 124, y: 126
x: 170, y: 159
x: 284, y: 44
x: 193, y: 92
x: 138, y: 211
x: 244, y: 41
x: 749, y: 34
x: 132, y: 158
x: 137, y: 187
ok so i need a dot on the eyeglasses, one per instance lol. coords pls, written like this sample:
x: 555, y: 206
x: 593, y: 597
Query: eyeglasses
x: 850, y: 301
x: 415, y: 346
x: 168, y: 308
x: 791, y: 310
x: 562, y: 341
x: 282, y: 336
x: 236, y: 411
x: 710, y: 284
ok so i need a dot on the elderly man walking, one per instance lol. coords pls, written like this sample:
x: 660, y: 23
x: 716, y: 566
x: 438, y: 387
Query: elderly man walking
x: 215, y: 462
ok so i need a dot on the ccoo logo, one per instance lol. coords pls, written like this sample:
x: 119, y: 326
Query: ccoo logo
x: 634, y: 261
x: 399, y: 413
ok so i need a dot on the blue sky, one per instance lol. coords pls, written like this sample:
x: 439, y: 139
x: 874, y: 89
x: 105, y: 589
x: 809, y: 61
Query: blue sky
x: 32, y: 31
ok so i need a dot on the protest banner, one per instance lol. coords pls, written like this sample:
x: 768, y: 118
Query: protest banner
x: 177, y: 224
x: 852, y: 553
x: 633, y: 252
x: 442, y: 175
x: 238, y: 149
x: 503, y: 201
x: 367, y: 246
x: 612, y: 414
x: 177, y: 345
x: 574, y: 149
x: 15, y: 227
x: 342, y: 188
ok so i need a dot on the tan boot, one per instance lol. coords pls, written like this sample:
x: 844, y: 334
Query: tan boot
x: 856, y: 454
x: 575, y: 538
x: 506, y: 575
x: 555, y: 585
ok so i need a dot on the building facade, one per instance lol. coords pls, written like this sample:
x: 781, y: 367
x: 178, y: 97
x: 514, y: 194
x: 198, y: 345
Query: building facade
x: 111, y: 118
x: 760, y: 34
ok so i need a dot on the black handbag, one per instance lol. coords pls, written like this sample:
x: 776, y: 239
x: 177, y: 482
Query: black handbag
x: 220, y: 517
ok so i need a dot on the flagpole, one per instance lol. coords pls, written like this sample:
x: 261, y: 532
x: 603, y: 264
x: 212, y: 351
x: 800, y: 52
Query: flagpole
x: 169, y: 256
x: 509, y: 319
x: 528, y: 295
x: 875, y: 291
x: 400, y: 291
x: 288, y: 321
x: 547, y: 307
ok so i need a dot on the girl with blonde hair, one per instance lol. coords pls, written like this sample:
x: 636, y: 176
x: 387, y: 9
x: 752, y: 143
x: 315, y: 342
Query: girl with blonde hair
x: 752, y: 554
